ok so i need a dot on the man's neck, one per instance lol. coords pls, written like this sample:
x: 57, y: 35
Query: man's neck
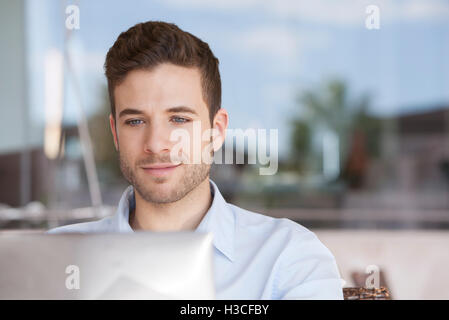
x: 184, y: 214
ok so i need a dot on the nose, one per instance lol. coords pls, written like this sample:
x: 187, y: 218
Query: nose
x: 157, y: 139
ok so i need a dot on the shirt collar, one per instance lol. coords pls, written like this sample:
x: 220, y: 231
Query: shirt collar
x: 219, y: 219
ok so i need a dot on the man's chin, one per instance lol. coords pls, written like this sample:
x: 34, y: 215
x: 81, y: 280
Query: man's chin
x: 169, y: 187
x: 159, y: 189
x: 160, y: 194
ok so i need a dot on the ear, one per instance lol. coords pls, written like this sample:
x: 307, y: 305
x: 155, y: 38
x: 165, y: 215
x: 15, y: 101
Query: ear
x: 114, y: 131
x: 220, y: 123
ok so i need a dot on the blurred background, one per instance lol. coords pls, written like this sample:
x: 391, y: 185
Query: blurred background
x: 362, y: 115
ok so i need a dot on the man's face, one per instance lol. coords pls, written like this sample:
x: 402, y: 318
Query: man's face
x: 150, y: 105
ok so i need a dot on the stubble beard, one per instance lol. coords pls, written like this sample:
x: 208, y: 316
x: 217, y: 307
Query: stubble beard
x: 194, y: 175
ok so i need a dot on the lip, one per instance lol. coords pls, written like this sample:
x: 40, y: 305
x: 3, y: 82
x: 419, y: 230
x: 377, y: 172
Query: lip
x: 159, y: 170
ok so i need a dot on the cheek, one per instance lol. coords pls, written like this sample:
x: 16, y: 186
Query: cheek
x: 130, y: 148
x: 131, y: 137
x: 200, y: 147
x: 181, y: 139
x: 207, y: 152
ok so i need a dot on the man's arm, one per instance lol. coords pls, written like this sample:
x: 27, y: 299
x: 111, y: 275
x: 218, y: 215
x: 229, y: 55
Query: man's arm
x: 308, y: 270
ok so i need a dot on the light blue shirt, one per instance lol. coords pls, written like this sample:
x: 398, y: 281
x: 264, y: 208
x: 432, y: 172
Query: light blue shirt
x: 255, y: 256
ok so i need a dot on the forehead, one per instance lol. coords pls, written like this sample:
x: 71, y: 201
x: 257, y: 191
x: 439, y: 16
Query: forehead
x: 164, y: 86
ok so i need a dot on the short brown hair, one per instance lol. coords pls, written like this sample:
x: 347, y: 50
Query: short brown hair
x: 148, y: 44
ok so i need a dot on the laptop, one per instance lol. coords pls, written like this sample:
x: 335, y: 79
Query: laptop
x: 140, y: 265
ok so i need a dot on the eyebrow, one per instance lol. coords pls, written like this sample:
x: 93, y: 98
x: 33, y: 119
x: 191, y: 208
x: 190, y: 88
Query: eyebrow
x: 130, y: 111
x: 181, y: 109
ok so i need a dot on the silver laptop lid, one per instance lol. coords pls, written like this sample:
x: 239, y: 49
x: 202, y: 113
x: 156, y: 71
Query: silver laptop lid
x: 140, y: 265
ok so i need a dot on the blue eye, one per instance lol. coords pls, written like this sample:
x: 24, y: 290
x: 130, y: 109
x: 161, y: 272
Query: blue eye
x: 179, y: 120
x: 133, y: 122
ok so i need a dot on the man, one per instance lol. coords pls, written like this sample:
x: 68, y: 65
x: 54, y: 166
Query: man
x: 161, y: 80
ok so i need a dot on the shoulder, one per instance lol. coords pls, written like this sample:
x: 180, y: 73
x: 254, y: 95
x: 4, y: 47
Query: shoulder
x: 293, y: 239
x: 247, y: 219
x: 301, y: 266
x: 102, y: 225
